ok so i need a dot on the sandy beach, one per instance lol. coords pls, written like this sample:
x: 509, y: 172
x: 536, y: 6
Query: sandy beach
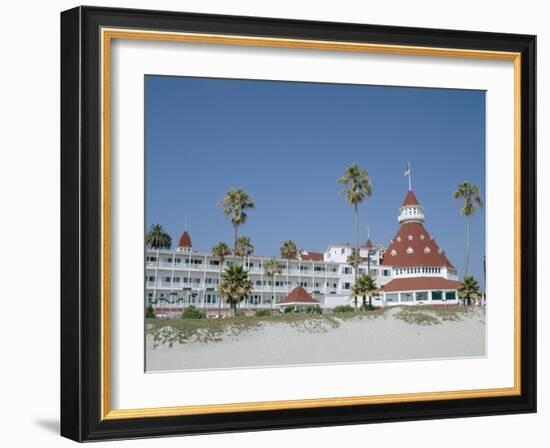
x: 386, y: 337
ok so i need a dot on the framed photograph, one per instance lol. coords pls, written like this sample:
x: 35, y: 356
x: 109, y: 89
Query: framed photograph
x: 274, y: 223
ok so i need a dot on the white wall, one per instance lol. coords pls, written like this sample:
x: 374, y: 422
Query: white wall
x: 29, y: 172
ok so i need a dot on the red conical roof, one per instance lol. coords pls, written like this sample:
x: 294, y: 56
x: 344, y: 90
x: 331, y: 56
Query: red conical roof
x: 185, y: 240
x: 368, y: 244
x: 413, y: 246
x: 299, y: 295
x: 410, y: 199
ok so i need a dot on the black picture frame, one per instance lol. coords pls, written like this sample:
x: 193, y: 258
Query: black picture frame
x: 81, y: 224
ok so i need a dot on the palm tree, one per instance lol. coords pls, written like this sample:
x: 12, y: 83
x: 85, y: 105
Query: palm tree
x: 271, y: 269
x: 220, y: 250
x: 472, y: 200
x: 289, y: 251
x: 235, y: 203
x: 469, y: 290
x: 354, y: 260
x: 235, y: 286
x: 158, y: 238
x: 365, y: 287
x: 358, y: 186
x: 244, y: 247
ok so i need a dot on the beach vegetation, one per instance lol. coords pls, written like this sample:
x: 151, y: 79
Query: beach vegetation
x: 158, y: 238
x: 235, y: 204
x: 221, y: 250
x: 235, y: 286
x: 365, y: 286
x: 272, y: 268
x: 150, y: 313
x: 469, y: 192
x: 357, y: 187
x: 343, y: 309
x: 289, y: 251
x: 192, y: 312
x: 244, y: 247
x: 469, y: 292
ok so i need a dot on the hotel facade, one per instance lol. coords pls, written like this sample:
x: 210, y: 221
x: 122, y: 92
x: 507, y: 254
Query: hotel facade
x: 412, y: 270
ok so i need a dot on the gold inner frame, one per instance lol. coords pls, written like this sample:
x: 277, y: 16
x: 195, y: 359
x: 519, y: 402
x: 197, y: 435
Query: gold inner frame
x: 107, y: 35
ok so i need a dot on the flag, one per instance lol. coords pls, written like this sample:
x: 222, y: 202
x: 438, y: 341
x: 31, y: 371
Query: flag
x: 407, y: 170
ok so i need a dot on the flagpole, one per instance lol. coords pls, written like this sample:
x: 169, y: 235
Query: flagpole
x: 410, y: 175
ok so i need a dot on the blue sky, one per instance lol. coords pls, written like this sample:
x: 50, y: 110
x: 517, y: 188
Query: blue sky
x: 287, y: 143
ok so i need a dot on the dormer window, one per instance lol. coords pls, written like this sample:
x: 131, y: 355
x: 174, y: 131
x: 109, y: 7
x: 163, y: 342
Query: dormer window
x: 421, y: 237
x: 410, y: 237
x: 394, y: 253
x: 410, y: 250
x: 399, y: 239
x: 427, y: 250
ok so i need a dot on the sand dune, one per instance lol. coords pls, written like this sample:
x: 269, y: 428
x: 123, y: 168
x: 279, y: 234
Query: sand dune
x: 382, y: 338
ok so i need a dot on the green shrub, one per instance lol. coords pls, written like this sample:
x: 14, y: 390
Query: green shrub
x: 367, y: 307
x: 316, y: 309
x: 191, y: 312
x: 150, y: 312
x: 262, y: 313
x: 288, y: 309
x: 344, y: 309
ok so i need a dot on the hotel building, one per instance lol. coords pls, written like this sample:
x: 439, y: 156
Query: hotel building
x: 411, y: 270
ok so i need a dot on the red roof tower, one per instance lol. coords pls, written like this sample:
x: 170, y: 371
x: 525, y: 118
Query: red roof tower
x: 185, y: 243
x: 412, y: 245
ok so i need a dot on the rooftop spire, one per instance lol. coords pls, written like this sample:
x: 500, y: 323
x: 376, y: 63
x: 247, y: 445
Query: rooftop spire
x: 411, y: 210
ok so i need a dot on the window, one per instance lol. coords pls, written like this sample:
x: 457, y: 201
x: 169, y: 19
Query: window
x: 393, y: 253
x: 347, y: 285
x: 421, y: 296
x: 177, y: 279
x: 215, y: 262
x: 391, y: 298
x: 347, y: 270
x: 406, y: 297
x: 410, y: 250
x: 437, y: 295
x: 151, y: 278
x: 450, y: 295
x: 167, y: 279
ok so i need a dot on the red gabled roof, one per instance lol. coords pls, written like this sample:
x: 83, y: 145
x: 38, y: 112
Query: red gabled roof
x: 299, y: 295
x: 185, y: 240
x: 410, y: 199
x: 420, y: 284
x: 311, y: 256
x: 425, y: 251
x: 368, y: 244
